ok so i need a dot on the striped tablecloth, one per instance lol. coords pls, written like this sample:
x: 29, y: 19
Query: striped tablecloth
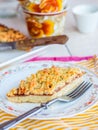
x: 85, y: 121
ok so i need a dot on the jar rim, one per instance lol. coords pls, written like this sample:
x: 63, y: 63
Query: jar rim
x: 45, y: 14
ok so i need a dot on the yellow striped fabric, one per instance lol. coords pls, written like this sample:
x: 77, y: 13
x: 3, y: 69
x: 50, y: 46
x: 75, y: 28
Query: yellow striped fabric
x: 85, y: 121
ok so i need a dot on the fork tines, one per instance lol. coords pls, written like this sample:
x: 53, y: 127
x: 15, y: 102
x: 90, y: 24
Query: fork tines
x: 80, y: 89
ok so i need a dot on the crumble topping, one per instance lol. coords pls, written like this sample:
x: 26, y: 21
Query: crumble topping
x: 46, y: 81
x: 10, y: 34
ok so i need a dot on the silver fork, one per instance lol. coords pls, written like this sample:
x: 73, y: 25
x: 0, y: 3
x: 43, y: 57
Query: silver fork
x: 76, y: 93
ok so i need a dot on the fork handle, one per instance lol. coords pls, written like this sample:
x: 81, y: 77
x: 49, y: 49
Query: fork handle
x: 13, y: 122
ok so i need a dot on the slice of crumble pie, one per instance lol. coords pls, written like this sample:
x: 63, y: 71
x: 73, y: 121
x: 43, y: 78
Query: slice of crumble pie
x: 46, y: 84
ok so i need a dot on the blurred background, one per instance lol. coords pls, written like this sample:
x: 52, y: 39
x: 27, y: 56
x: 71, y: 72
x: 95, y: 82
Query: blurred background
x: 11, y: 15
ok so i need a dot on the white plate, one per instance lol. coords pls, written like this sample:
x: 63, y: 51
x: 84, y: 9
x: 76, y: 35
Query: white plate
x: 11, y: 77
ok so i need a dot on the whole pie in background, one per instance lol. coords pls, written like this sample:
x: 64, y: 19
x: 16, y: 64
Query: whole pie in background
x: 10, y: 35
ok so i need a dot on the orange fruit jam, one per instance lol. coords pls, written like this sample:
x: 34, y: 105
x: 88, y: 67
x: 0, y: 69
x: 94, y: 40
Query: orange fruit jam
x: 45, y: 6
